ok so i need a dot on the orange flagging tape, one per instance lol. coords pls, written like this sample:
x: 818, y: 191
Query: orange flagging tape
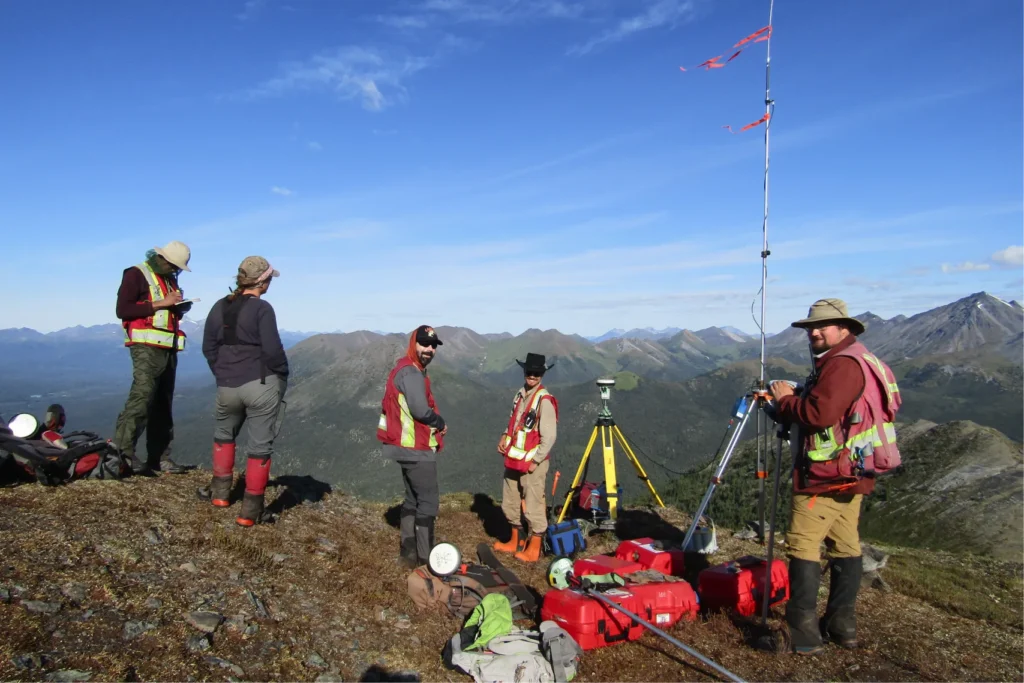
x: 755, y: 124
x: 755, y: 37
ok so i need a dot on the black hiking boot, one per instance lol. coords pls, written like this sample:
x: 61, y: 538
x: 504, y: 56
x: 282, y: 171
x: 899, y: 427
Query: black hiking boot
x: 839, y: 625
x: 424, y: 538
x: 220, y: 491
x: 802, y: 608
x: 407, y: 545
x: 171, y: 467
x: 141, y: 468
x: 252, y: 512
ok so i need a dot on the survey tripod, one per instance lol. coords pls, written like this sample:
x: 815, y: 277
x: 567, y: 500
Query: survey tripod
x: 609, y: 432
x: 744, y: 408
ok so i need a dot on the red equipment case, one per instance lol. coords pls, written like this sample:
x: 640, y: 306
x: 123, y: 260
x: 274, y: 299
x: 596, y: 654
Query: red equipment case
x: 739, y: 585
x: 642, y: 550
x: 590, y: 622
x: 666, y: 602
x: 594, y: 624
x: 604, y: 564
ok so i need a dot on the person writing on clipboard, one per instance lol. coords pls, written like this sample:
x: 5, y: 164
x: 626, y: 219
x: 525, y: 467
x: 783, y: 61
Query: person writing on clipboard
x: 150, y: 305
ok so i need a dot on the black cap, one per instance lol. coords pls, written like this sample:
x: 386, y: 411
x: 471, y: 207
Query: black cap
x: 425, y: 336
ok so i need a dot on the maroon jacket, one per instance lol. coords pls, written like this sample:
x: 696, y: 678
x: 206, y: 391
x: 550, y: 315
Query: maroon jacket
x: 840, y: 382
x: 133, y: 295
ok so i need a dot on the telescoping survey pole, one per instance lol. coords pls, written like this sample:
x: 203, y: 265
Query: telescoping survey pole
x: 762, y: 422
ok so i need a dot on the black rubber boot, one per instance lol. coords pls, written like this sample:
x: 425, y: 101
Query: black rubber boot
x: 220, y: 491
x: 802, y: 608
x: 424, y: 538
x: 839, y: 625
x: 407, y: 545
x: 252, y: 510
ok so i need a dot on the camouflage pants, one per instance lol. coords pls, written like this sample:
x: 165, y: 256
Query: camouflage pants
x: 148, y: 406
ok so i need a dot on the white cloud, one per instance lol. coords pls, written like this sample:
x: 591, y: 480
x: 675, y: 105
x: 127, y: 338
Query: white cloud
x: 661, y: 13
x: 435, y: 12
x: 965, y: 267
x: 251, y: 9
x: 314, y: 146
x: 283, y: 191
x: 374, y: 77
x: 1011, y: 257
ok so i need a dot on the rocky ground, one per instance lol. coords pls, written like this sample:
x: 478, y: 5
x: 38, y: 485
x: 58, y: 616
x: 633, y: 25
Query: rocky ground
x: 139, y: 580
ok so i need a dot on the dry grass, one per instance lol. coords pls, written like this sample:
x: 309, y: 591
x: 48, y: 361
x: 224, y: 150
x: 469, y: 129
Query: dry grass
x: 337, y: 592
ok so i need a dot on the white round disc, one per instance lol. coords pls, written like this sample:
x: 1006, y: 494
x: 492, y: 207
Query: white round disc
x: 444, y: 559
x: 23, y: 425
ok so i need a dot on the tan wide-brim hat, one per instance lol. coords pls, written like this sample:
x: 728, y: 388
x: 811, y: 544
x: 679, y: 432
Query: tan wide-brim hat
x: 830, y: 311
x: 176, y: 253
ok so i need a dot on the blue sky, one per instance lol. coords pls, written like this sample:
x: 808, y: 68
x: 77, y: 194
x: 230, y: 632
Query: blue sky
x: 504, y: 165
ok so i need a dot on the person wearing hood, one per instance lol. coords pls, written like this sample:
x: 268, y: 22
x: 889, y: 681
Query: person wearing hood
x: 150, y: 305
x: 412, y: 432
x: 526, y: 443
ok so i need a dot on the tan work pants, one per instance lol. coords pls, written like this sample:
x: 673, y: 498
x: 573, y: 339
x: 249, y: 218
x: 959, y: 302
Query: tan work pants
x: 528, y: 486
x: 831, y: 518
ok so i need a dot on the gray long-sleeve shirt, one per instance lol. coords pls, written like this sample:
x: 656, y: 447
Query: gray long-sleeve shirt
x: 411, y: 381
x: 259, y: 351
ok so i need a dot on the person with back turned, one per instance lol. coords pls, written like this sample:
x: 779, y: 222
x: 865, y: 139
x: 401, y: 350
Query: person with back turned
x: 243, y: 347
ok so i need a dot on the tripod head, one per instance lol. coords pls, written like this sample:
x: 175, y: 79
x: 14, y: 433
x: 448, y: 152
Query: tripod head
x: 605, y: 386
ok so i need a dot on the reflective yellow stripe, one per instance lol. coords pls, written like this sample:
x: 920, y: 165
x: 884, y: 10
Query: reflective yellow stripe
x: 408, y: 439
x: 161, y: 338
x: 162, y: 317
x: 890, y: 387
x: 518, y: 451
x: 889, y: 429
x: 382, y: 423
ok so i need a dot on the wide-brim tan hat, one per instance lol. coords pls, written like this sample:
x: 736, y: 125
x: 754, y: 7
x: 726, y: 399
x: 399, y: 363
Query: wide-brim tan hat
x: 830, y: 311
x: 176, y: 253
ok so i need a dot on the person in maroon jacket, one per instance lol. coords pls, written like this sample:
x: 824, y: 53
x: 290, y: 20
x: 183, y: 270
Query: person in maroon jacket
x: 823, y: 509
x: 150, y: 305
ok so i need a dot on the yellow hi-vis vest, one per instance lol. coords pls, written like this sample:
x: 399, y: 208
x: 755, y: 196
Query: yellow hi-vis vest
x: 520, y: 442
x: 160, y: 329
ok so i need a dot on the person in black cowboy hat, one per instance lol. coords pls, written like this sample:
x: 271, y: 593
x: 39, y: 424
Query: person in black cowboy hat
x: 526, y: 444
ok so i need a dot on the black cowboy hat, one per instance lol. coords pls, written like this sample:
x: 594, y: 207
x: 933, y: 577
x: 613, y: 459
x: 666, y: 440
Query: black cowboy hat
x: 534, y: 363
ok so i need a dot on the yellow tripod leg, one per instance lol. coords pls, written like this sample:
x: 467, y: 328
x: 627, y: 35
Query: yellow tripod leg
x: 636, y: 463
x: 579, y: 475
x: 611, y: 484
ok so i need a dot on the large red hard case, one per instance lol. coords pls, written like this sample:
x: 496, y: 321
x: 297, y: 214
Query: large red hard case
x: 605, y: 564
x: 594, y: 624
x: 650, y: 556
x: 666, y: 602
x: 739, y: 585
x: 590, y: 622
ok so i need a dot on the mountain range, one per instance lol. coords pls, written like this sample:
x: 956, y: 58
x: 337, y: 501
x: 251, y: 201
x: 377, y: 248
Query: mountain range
x: 672, y: 398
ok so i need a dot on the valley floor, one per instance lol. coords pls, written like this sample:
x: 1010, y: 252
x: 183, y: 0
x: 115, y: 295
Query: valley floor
x: 98, y: 581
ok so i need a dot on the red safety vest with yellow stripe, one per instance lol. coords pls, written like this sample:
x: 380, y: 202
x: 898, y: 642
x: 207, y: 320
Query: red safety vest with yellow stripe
x: 160, y: 329
x: 863, y: 442
x: 396, y: 426
x: 520, y: 442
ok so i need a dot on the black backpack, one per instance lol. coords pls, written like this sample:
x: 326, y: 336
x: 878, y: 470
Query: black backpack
x: 88, y: 455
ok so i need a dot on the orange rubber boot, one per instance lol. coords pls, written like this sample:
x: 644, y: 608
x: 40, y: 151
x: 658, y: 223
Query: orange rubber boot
x: 514, y: 544
x: 532, y: 552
